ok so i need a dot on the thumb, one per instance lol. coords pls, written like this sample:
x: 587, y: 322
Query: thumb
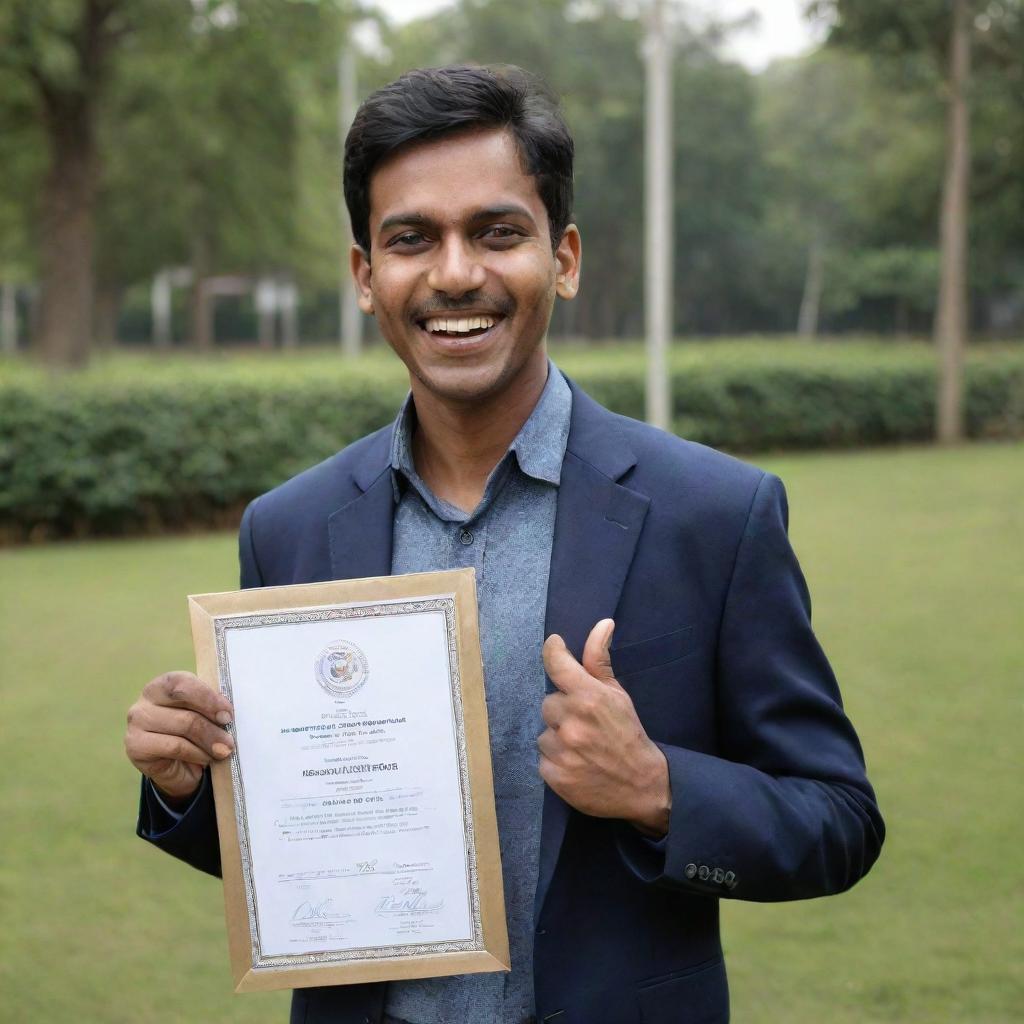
x: 596, y: 657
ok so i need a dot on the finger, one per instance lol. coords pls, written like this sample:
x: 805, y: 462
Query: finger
x: 146, y: 749
x: 185, y: 690
x: 553, y: 709
x: 181, y: 722
x: 178, y: 783
x: 562, y: 668
x: 550, y: 745
x: 597, y: 659
x: 552, y: 775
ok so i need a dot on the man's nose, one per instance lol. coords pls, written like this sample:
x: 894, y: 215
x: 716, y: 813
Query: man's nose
x: 457, y: 268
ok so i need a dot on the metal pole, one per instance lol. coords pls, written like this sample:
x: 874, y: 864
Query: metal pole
x: 349, y: 316
x: 658, y: 214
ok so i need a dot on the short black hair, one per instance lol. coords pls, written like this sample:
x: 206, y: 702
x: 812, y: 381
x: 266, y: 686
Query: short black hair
x: 429, y: 103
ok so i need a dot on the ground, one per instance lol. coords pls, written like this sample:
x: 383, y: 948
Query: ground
x: 915, y: 560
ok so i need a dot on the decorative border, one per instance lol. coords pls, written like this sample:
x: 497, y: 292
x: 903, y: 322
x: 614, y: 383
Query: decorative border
x: 324, y: 613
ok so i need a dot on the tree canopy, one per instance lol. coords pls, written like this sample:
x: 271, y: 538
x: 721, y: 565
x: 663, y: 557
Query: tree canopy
x: 806, y: 192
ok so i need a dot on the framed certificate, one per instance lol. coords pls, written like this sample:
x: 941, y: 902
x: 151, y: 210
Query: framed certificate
x: 356, y: 816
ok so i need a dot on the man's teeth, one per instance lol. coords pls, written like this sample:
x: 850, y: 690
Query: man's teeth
x: 463, y: 325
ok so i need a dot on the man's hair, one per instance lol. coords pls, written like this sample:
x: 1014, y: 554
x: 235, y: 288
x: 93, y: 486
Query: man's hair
x: 429, y: 103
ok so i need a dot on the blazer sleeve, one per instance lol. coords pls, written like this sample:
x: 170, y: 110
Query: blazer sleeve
x: 785, y: 811
x: 193, y: 837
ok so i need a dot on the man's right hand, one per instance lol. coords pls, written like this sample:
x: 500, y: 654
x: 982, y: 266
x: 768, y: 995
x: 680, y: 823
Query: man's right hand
x: 174, y: 731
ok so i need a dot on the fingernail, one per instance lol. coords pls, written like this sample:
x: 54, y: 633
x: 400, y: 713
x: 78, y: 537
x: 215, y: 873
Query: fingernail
x: 608, y: 636
x: 221, y: 750
x: 224, y: 717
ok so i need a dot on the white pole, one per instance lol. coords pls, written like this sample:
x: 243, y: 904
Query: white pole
x: 160, y: 303
x: 350, y: 317
x: 658, y: 213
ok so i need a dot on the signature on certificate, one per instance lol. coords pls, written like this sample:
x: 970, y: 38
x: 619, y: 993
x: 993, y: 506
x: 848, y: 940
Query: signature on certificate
x: 321, y: 911
x: 412, y: 901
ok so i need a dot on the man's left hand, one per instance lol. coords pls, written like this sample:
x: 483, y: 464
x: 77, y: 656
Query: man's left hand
x: 595, y: 753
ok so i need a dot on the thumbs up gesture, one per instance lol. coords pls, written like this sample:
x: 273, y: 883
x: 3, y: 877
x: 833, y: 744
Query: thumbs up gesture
x: 594, y: 752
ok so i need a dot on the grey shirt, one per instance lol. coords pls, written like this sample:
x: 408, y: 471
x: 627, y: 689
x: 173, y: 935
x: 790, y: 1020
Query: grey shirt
x: 507, y: 539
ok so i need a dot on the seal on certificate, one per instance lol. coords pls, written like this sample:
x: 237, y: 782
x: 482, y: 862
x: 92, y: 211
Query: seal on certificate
x: 341, y: 669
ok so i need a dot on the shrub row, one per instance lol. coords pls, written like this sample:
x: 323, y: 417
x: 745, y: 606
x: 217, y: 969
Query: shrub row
x: 143, y: 447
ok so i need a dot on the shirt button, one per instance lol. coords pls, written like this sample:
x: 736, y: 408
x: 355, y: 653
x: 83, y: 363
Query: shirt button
x: 466, y: 537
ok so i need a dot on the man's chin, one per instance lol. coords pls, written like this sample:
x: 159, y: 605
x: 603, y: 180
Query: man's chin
x: 466, y: 386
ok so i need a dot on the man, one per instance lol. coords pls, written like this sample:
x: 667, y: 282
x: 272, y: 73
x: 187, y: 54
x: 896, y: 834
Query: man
x: 692, y: 743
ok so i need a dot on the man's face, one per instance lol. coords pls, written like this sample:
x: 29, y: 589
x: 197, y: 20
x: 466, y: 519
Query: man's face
x: 461, y: 276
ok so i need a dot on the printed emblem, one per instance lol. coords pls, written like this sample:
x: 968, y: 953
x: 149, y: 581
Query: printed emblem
x: 341, y: 669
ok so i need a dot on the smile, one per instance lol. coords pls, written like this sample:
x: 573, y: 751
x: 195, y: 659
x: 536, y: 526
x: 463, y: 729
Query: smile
x: 460, y: 327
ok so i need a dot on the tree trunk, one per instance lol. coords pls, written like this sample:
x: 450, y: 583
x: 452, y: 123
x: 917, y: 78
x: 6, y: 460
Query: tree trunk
x: 810, y: 304
x: 202, y: 301
x: 67, y: 238
x: 265, y: 296
x: 8, y: 318
x: 951, y: 316
x: 288, y: 298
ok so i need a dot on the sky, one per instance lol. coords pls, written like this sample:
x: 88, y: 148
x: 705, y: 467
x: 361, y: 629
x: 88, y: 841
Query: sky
x: 780, y: 31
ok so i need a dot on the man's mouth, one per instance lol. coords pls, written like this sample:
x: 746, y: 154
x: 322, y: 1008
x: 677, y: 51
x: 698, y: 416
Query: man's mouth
x: 459, y: 327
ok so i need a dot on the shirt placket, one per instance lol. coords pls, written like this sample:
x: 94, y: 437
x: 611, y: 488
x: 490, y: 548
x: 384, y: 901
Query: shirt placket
x: 468, y: 543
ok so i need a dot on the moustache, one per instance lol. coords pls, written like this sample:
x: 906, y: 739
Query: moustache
x: 475, y: 301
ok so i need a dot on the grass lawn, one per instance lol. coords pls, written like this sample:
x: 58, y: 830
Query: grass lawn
x: 916, y: 562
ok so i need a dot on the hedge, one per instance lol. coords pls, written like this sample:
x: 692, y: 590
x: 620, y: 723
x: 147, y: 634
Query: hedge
x: 140, y: 445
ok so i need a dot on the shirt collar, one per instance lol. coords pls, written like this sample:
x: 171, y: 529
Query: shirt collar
x: 539, y: 446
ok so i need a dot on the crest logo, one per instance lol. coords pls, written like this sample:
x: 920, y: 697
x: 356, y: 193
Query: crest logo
x: 341, y: 669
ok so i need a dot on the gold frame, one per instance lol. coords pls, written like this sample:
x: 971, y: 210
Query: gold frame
x: 492, y: 953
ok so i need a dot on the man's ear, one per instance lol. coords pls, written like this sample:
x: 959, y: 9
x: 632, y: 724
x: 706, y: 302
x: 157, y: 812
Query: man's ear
x: 360, y: 264
x: 568, y: 257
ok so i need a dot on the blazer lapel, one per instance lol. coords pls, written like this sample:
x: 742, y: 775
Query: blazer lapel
x: 360, y: 531
x: 597, y: 526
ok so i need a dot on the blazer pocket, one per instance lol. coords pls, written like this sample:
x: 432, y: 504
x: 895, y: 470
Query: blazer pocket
x: 658, y: 650
x: 696, y: 995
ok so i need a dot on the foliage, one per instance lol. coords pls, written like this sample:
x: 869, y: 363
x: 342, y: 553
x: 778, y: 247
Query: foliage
x: 907, y: 44
x: 219, y: 142
x: 144, y: 445
x: 214, y: 137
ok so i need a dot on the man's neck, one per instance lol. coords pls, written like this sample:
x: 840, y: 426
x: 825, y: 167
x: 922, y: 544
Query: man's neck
x: 455, y: 446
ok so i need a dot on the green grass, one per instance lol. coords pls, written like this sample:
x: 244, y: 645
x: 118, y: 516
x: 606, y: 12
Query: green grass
x: 916, y: 562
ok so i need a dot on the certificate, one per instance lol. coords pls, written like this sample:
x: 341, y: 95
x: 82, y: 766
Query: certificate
x: 356, y: 816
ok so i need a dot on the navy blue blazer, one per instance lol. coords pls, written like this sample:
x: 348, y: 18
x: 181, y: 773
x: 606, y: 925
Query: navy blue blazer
x: 687, y: 550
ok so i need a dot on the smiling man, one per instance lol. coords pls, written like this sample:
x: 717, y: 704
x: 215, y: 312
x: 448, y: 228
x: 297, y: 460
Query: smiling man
x: 665, y: 728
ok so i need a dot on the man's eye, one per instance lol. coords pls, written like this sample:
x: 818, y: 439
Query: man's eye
x: 501, y: 232
x: 407, y: 238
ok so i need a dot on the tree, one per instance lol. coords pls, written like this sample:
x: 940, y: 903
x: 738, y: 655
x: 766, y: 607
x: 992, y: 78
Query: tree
x: 64, y: 49
x: 589, y: 53
x: 22, y: 160
x: 938, y: 35
x: 207, y: 120
x: 852, y: 184
x: 951, y: 322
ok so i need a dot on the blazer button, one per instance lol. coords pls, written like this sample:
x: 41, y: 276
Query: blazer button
x: 690, y: 870
x: 718, y: 876
x: 730, y: 880
x: 703, y: 872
